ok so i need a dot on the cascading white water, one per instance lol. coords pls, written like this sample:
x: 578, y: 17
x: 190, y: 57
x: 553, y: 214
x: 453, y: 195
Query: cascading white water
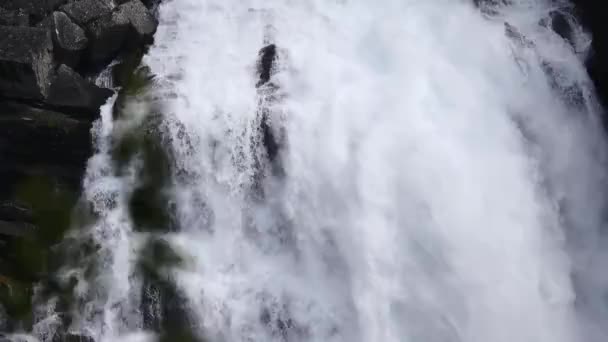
x: 437, y: 183
x: 426, y: 157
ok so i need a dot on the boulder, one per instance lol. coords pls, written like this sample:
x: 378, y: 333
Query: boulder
x: 106, y: 36
x: 69, y: 89
x: 142, y: 22
x: 13, y: 18
x: 25, y: 62
x: 85, y: 11
x: 70, y: 39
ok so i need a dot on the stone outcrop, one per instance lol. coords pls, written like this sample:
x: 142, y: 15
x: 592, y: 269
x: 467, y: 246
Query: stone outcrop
x: 50, y: 50
x: 13, y: 18
x: 107, y: 34
x: 39, y: 141
x: 592, y: 15
x: 85, y: 11
x: 589, y: 14
x: 142, y: 22
x: 70, y: 39
x: 25, y: 62
x: 38, y: 8
x: 52, y: 55
x: 69, y: 89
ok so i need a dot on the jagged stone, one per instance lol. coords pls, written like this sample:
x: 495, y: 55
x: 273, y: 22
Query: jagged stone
x: 25, y: 62
x: 85, y: 11
x: 13, y: 18
x: 107, y: 35
x: 142, y: 21
x: 69, y: 89
x: 70, y: 39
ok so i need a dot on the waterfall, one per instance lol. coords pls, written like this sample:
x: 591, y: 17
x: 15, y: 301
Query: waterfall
x: 350, y: 170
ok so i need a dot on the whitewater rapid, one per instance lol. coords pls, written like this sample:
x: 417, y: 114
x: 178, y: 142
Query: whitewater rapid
x: 439, y: 176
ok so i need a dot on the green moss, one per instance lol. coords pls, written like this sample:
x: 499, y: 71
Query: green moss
x: 156, y: 255
x: 16, y: 298
x: 52, y: 208
x: 148, y: 203
x: 29, y: 259
x: 148, y: 209
x: 133, y: 79
x: 126, y: 147
x: 181, y: 335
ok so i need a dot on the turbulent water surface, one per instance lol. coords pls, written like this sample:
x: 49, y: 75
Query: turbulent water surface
x: 354, y: 170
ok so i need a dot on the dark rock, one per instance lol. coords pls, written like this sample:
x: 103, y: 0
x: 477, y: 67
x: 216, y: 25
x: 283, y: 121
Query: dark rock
x: 41, y: 142
x: 142, y: 21
x: 267, y: 56
x: 70, y: 39
x: 592, y: 15
x: 69, y: 89
x: 148, y: 3
x: 15, y: 228
x: 35, y: 7
x: 15, y: 211
x: 77, y: 338
x: 561, y: 26
x: 85, y: 11
x: 107, y: 35
x: 14, y: 18
x: 25, y: 62
x: 46, y: 23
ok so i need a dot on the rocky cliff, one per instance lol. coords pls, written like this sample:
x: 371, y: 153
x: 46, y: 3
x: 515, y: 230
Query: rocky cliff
x: 51, y: 55
x: 60, y: 60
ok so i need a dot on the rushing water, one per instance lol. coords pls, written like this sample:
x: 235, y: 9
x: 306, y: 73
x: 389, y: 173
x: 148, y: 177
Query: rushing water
x: 409, y: 170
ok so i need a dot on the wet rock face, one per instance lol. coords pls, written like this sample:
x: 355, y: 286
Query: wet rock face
x: 69, y: 89
x: 51, y: 54
x: 593, y: 17
x: 50, y: 51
